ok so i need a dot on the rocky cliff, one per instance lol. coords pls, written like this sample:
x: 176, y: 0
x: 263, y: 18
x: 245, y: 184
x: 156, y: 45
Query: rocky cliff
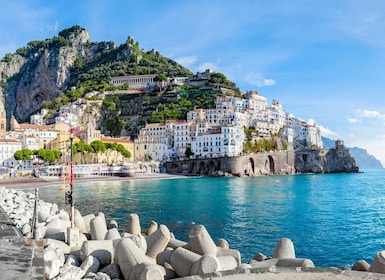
x: 42, y: 73
x: 335, y: 160
x: 42, y: 70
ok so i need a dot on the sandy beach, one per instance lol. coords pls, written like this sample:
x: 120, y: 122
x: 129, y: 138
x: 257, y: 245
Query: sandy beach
x: 33, y: 182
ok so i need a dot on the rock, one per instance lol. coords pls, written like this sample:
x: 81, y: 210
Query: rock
x: 361, y: 265
x: 72, y: 261
x: 101, y: 276
x: 70, y: 273
x: 112, y: 270
x: 90, y: 264
x: 259, y: 257
x: 53, y: 260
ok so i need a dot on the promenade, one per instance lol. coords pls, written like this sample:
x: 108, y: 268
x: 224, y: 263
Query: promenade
x: 19, y: 258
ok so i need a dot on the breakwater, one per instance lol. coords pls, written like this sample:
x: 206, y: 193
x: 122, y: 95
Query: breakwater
x: 260, y: 263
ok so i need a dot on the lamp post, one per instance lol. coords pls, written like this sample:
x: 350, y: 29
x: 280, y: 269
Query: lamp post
x: 69, y: 194
x: 72, y: 180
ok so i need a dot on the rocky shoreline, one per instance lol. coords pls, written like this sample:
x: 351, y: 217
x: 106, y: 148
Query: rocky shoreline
x: 98, y: 249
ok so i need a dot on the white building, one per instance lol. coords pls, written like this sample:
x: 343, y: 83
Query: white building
x: 134, y: 81
x: 180, y: 135
x: 218, y: 142
x: 233, y: 138
x: 8, y: 147
x: 152, y: 143
x: 67, y: 118
x: 30, y: 142
x: 277, y: 116
x: 304, y: 135
x: 208, y: 144
x: 38, y: 118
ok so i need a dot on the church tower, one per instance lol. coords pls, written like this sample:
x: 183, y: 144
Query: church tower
x: 3, y: 121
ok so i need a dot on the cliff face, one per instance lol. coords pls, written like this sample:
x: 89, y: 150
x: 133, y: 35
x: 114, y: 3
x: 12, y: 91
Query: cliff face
x: 42, y: 74
x: 325, y: 161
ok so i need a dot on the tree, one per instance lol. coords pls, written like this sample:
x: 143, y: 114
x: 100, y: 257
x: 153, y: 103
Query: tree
x: 98, y: 147
x: 23, y: 154
x: 160, y: 77
x: 48, y: 155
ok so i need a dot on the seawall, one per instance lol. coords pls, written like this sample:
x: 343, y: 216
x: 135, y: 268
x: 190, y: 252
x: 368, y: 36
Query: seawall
x: 268, y: 163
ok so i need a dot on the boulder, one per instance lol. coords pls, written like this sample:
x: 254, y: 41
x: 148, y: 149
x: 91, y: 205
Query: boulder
x: 53, y: 260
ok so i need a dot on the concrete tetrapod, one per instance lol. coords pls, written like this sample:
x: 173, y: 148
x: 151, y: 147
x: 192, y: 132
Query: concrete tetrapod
x: 157, y: 241
x: 133, y: 224
x: 182, y: 260
x: 79, y: 221
x: 98, y: 228
x: 206, y: 264
x: 284, y: 249
x: 112, y: 234
x: 151, y: 228
x: 201, y: 242
x: 378, y: 264
x: 103, y: 250
x: 128, y: 255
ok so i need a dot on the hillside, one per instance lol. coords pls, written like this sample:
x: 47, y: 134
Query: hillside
x: 363, y: 159
x: 43, y: 70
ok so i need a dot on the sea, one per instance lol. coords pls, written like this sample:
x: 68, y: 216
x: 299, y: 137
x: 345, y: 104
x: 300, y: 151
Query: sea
x: 333, y: 219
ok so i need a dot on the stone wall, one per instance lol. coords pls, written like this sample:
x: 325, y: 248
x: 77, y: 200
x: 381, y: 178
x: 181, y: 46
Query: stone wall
x: 284, y: 162
x: 251, y: 165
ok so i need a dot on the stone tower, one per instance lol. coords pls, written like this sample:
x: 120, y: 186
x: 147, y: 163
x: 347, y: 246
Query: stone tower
x: 3, y: 120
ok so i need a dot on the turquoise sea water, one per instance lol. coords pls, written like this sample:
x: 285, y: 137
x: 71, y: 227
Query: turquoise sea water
x: 333, y: 219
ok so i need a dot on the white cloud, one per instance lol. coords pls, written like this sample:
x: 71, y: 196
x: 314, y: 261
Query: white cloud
x: 206, y: 65
x: 258, y: 80
x: 311, y: 122
x: 326, y: 132
x: 372, y: 114
x: 354, y: 120
x: 187, y: 61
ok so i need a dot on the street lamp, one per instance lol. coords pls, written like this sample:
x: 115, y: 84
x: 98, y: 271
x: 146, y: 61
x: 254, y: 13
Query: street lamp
x: 69, y: 194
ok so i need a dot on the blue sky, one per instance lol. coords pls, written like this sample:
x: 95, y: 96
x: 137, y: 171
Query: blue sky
x: 323, y: 60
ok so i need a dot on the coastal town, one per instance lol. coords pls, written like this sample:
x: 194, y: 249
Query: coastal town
x: 206, y: 133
